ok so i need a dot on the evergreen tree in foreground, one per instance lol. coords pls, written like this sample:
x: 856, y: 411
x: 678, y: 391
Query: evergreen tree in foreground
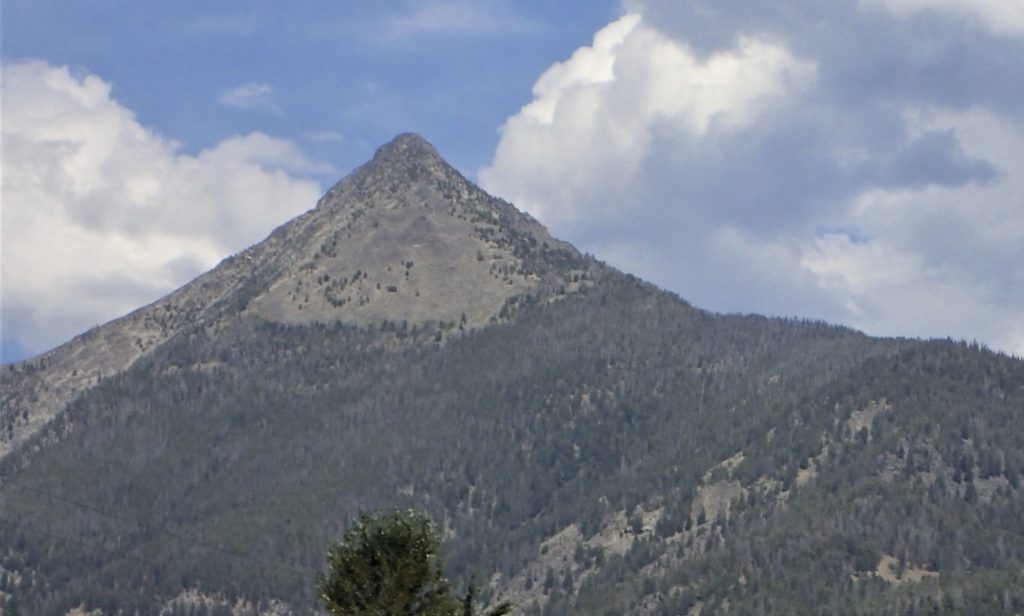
x: 388, y: 565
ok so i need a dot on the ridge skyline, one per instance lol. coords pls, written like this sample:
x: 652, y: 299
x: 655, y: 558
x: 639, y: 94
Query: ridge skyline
x: 780, y: 195
x: 410, y: 155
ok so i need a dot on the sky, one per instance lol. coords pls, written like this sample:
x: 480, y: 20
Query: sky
x: 854, y: 161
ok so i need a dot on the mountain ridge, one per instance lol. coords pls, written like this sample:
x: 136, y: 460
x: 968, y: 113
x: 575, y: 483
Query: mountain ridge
x: 593, y: 444
x: 429, y: 246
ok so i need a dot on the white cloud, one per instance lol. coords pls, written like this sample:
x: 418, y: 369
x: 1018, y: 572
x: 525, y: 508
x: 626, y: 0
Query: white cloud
x: 252, y: 95
x: 751, y: 176
x: 595, y: 115
x: 1005, y: 17
x: 102, y: 215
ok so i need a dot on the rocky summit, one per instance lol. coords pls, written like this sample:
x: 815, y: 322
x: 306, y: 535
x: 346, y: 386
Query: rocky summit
x: 406, y: 238
x: 586, y: 443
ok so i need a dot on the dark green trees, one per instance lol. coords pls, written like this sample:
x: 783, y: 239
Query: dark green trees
x: 388, y: 565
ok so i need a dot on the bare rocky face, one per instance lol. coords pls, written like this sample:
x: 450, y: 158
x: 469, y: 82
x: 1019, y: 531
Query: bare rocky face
x: 406, y: 238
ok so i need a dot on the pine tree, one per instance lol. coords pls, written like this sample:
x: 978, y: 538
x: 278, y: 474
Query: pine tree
x: 388, y: 565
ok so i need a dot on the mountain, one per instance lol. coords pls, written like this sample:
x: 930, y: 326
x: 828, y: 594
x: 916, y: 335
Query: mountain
x: 592, y: 444
x: 405, y: 239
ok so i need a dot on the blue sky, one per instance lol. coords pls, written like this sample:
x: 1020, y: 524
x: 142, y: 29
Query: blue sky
x: 857, y: 161
x: 364, y: 70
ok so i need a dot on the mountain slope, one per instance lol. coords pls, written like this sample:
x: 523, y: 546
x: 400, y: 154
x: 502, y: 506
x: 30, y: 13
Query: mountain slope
x: 403, y: 238
x: 600, y: 446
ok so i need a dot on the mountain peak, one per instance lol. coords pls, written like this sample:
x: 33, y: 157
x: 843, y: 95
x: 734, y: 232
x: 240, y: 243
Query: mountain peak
x: 403, y: 239
x: 407, y: 157
x: 407, y: 238
x: 406, y: 146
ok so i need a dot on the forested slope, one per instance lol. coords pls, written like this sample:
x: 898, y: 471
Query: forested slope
x: 228, y: 463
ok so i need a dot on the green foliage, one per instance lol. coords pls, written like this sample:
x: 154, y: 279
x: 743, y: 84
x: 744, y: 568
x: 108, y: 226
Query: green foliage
x: 387, y: 565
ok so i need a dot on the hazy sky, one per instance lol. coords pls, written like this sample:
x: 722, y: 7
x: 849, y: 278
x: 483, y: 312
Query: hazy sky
x: 858, y: 161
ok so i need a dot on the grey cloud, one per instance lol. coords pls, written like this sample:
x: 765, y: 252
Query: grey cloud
x: 789, y: 166
x: 122, y: 289
x: 769, y: 178
x: 185, y: 268
x: 934, y: 158
x: 865, y: 54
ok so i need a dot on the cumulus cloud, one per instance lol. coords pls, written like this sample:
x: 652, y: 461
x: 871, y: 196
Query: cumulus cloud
x: 812, y: 160
x: 102, y: 215
x: 615, y: 99
x: 252, y: 95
